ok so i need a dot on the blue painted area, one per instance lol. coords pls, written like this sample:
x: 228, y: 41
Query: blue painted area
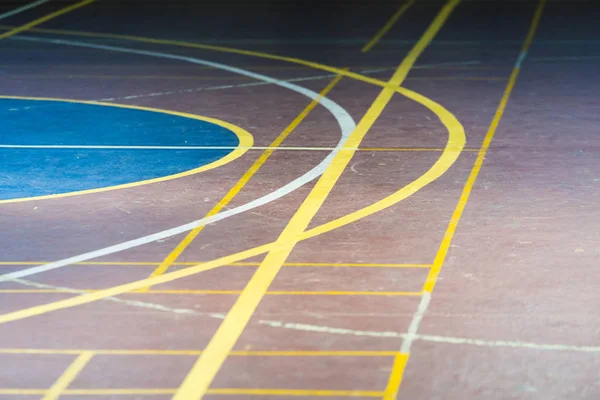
x: 37, y: 172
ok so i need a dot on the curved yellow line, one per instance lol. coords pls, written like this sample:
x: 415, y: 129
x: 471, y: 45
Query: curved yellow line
x: 454, y: 146
x: 245, y: 142
x: 456, y: 141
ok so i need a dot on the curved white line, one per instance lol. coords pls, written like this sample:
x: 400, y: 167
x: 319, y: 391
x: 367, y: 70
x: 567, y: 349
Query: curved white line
x: 344, y: 120
x: 21, y: 9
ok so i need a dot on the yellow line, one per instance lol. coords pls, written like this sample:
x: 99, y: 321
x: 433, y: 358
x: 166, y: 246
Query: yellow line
x: 43, y: 19
x: 216, y: 391
x: 209, y: 363
x: 395, y: 379
x: 220, y: 391
x: 189, y: 238
x: 464, y: 197
x: 235, y: 353
x: 456, y: 141
x: 235, y: 264
x: 68, y: 376
x: 387, y: 26
x: 391, y: 390
x: 225, y: 292
x: 245, y: 140
x: 296, y: 392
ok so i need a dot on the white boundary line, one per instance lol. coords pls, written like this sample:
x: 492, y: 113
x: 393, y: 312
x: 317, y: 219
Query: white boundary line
x: 344, y: 120
x: 339, y: 331
x: 23, y: 8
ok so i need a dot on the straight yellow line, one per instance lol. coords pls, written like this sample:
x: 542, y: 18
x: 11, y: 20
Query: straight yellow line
x: 235, y: 353
x: 227, y: 391
x: 43, y: 19
x: 456, y: 141
x: 387, y: 26
x: 235, y: 264
x: 219, y: 391
x: 225, y: 292
x: 391, y: 390
x: 395, y: 379
x: 464, y: 197
x: 197, y: 382
x: 189, y: 238
x: 296, y: 392
x: 61, y: 384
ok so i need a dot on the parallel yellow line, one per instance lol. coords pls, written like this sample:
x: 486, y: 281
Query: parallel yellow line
x: 43, y: 19
x: 456, y: 141
x: 235, y: 264
x: 200, y: 377
x: 219, y: 391
x: 395, y: 379
x: 61, y: 384
x: 462, y: 202
x: 226, y: 292
x: 189, y: 238
x: 388, y: 25
x: 235, y: 353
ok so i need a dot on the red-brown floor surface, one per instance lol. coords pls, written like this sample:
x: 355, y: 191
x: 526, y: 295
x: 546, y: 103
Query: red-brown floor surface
x: 470, y: 273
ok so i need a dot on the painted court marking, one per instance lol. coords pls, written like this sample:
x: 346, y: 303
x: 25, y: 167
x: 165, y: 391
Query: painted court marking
x: 245, y: 141
x: 456, y: 141
x: 440, y: 257
x: 43, y: 19
x: 455, y: 145
x: 23, y: 8
x: 200, y: 377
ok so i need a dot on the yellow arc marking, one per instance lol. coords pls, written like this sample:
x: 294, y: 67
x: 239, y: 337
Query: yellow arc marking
x: 456, y: 140
x: 63, y: 382
x: 189, y: 238
x: 43, y: 19
x: 200, y: 377
x: 387, y: 26
x: 244, y: 137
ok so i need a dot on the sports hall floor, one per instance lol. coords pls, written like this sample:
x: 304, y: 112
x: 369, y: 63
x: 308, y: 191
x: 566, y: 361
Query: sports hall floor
x: 299, y: 200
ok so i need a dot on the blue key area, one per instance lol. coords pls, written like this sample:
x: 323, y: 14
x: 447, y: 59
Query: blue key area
x: 29, y: 172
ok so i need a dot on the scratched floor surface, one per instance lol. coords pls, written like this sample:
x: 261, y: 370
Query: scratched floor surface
x: 393, y: 200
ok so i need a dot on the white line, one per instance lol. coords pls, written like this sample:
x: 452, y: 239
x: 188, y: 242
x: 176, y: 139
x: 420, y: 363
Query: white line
x: 132, y: 303
x: 430, y: 338
x: 413, y: 328
x: 344, y: 120
x: 21, y: 9
x: 504, y: 343
x: 337, y: 331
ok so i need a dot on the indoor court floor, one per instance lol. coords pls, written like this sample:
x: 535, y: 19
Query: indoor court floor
x: 299, y: 200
